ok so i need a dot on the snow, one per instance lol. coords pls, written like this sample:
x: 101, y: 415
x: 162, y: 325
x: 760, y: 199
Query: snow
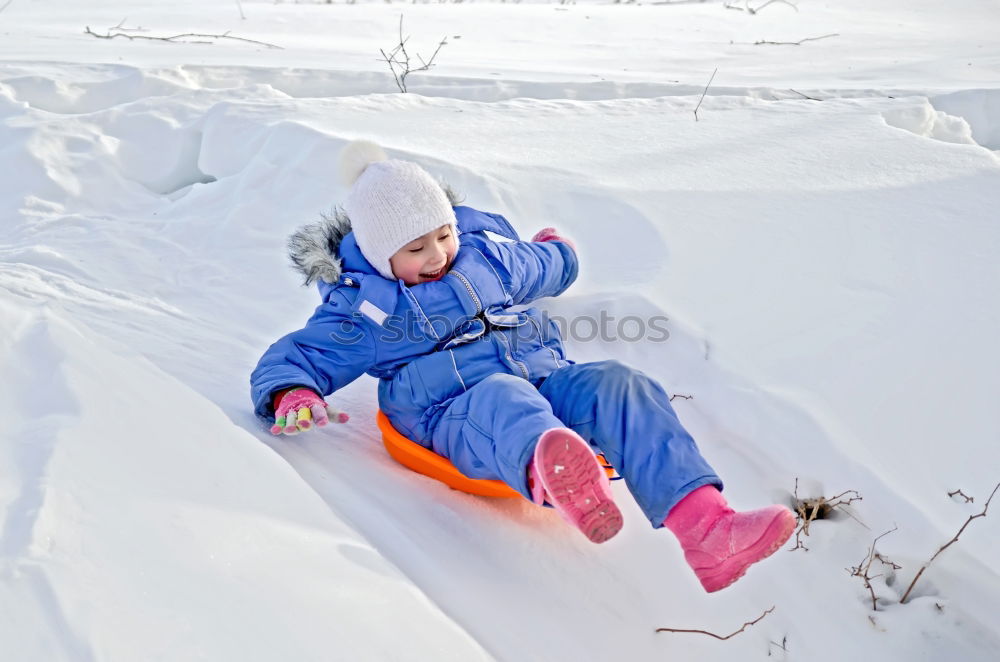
x: 826, y: 267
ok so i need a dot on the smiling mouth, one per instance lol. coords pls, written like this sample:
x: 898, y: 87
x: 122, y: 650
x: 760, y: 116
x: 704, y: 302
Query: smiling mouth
x: 434, y: 275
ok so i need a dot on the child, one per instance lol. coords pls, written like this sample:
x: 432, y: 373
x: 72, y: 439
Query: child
x: 415, y: 293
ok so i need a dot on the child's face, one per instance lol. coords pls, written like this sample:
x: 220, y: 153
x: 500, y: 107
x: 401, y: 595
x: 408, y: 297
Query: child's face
x: 426, y: 258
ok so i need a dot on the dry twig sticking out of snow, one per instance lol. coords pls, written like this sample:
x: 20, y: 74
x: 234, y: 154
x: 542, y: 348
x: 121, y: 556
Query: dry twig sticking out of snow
x: 405, y: 69
x: 962, y: 494
x: 719, y: 636
x: 704, y: 93
x: 794, y: 43
x: 863, y: 569
x: 951, y: 542
x: 815, y: 508
x: 754, y: 10
x: 185, y: 38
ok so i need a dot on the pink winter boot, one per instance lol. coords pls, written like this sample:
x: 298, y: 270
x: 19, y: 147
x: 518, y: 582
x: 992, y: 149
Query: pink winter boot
x: 566, y: 473
x: 719, y: 543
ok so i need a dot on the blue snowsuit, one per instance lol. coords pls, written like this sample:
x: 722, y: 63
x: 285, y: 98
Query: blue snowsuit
x: 466, y: 370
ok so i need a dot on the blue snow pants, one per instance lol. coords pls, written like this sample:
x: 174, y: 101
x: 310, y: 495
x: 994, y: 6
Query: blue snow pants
x: 490, y: 430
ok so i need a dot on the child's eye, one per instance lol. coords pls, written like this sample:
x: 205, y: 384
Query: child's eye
x: 416, y: 250
x: 443, y: 237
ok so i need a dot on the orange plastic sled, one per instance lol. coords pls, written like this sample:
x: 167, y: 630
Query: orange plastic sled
x: 415, y: 457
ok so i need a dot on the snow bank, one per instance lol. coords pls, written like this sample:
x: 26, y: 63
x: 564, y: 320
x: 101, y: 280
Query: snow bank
x: 141, y: 523
x: 980, y: 108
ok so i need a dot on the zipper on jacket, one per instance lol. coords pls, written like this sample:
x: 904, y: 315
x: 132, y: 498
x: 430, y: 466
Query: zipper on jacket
x: 472, y: 292
x: 522, y: 366
x: 555, y: 357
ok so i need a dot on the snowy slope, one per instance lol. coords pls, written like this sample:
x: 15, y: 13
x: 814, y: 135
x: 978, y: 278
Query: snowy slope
x: 827, y: 269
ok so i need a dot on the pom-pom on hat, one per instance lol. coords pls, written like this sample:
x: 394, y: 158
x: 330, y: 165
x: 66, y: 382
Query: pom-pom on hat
x: 391, y: 202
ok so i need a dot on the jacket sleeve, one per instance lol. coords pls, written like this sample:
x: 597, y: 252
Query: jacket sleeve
x: 532, y: 270
x: 331, y: 351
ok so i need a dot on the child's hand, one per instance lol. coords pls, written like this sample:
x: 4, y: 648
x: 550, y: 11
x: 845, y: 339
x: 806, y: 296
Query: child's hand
x: 550, y: 234
x: 299, y: 408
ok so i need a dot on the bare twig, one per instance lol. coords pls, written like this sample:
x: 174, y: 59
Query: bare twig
x: 862, y: 569
x: 239, y: 5
x: 681, y: 396
x: 819, y: 508
x: 783, y: 645
x: 723, y: 638
x: 885, y: 561
x: 389, y: 59
x: 403, y: 64
x: 794, y: 43
x: 121, y: 27
x: 753, y: 10
x: 805, y: 96
x: 704, y: 93
x: 962, y: 494
x: 6, y: 4
x: 949, y: 544
x: 178, y: 38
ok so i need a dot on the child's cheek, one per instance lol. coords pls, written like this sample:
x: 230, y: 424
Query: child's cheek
x: 402, y: 268
x: 410, y: 272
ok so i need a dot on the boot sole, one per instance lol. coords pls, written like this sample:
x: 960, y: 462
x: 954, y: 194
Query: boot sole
x: 576, y: 485
x: 778, y: 531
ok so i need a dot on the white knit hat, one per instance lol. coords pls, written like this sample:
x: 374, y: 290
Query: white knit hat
x: 391, y: 202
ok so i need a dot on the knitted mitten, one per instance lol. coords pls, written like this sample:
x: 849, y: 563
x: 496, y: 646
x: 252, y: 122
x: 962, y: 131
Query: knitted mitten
x: 550, y: 234
x: 298, y: 408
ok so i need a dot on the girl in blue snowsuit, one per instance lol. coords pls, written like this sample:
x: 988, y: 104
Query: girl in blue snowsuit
x: 467, y: 370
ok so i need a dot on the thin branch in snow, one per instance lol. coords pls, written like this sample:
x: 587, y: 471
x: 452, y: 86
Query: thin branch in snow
x: 682, y: 396
x: 6, y: 4
x: 795, y: 43
x: 753, y: 10
x: 783, y: 645
x: 863, y: 569
x: 805, y: 96
x: 704, y: 93
x: 816, y: 508
x: 949, y: 543
x: 784, y: 2
x: 400, y: 67
x: 121, y: 27
x: 239, y: 5
x: 185, y: 38
x: 718, y: 636
x: 962, y: 494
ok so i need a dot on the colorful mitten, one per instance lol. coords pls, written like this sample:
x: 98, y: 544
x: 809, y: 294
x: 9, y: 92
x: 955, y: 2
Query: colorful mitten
x: 550, y: 234
x: 720, y: 544
x: 298, y: 408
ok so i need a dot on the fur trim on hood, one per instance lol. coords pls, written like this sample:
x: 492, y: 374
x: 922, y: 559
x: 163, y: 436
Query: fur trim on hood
x: 314, y: 249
